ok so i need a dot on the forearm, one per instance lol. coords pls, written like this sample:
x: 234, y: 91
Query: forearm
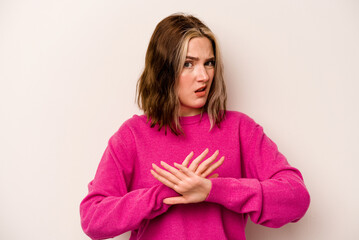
x: 285, y: 199
x: 273, y: 202
x: 109, y: 216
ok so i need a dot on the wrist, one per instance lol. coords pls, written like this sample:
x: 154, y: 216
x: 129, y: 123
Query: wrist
x: 208, y: 187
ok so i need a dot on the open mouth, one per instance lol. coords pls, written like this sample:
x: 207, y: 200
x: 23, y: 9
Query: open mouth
x: 201, y: 89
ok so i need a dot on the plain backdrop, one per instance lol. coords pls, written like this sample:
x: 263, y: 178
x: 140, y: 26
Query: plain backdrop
x: 68, y: 72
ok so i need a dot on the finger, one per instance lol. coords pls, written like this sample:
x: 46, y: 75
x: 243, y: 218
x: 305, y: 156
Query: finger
x: 213, y: 167
x: 214, y: 176
x: 174, y: 200
x: 163, y: 180
x: 173, y: 170
x: 187, y: 159
x: 185, y: 170
x: 167, y: 175
x: 197, y: 160
x: 204, y: 165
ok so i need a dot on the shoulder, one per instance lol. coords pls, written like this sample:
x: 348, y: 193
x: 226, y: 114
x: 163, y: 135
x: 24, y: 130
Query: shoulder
x: 239, y: 118
x: 126, y: 131
x: 241, y: 123
x: 135, y: 120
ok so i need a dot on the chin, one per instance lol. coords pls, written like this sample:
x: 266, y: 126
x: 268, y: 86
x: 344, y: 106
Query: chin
x: 200, y: 105
x: 197, y: 106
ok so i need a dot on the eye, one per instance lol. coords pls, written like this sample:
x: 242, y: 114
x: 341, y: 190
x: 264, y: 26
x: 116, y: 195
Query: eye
x: 187, y: 64
x: 210, y: 63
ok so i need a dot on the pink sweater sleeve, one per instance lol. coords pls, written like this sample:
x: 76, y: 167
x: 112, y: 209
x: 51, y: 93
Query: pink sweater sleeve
x: 272, y: 192
x: 110, y: 209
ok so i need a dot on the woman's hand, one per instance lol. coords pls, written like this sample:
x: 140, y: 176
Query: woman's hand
x: 205, y: 168
x: 190, y: 182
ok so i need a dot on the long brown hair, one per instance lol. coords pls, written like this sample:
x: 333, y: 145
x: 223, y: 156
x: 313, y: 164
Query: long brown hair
x: 165, y: 57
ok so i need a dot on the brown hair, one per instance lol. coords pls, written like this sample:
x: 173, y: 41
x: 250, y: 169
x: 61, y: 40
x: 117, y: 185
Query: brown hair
x: 165, y: 57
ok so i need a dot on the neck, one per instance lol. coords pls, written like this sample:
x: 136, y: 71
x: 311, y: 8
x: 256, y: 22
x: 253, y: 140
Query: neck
x: 185, y: 112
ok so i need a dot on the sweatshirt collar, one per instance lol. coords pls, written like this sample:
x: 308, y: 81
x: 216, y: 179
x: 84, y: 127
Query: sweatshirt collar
x: 193, y: 119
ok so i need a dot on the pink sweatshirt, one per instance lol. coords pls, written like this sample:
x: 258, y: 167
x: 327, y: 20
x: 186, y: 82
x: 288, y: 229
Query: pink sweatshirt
x: 255, y: 180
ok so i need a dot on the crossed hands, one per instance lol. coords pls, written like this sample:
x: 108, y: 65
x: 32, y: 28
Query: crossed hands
x: 191, y: 182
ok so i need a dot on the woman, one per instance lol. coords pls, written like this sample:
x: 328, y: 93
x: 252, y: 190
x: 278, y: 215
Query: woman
x: 183, y: 96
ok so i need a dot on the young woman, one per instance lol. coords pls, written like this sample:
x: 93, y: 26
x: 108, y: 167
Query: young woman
x: 187, y: 168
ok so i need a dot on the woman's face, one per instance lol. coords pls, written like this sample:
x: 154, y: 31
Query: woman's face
x: 196, y: 77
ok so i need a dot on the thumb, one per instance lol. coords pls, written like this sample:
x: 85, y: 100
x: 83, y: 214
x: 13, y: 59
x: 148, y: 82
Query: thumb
x: 174, y: 200
x: 214, y: 176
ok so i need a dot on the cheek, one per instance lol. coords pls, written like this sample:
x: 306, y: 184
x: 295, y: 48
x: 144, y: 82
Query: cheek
x: 212, y: 73
x: 183, y: 83
x: 211, y: 76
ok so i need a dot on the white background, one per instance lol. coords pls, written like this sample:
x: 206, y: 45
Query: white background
x: 68, y: 72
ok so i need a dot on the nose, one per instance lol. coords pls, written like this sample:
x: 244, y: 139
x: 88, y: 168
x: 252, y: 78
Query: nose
x: 202, y: 74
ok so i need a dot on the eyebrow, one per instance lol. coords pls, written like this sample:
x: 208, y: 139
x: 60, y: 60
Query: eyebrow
x: 196, y: 58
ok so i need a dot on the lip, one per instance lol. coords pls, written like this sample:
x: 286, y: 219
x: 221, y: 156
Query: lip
x: 203, y: 87
x: 201, y: 93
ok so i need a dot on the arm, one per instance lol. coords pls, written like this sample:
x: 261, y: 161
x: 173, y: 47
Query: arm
x: 273, y: 193
x: 110, y: 209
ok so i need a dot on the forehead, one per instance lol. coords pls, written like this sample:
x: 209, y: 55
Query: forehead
x: 200, y: 47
